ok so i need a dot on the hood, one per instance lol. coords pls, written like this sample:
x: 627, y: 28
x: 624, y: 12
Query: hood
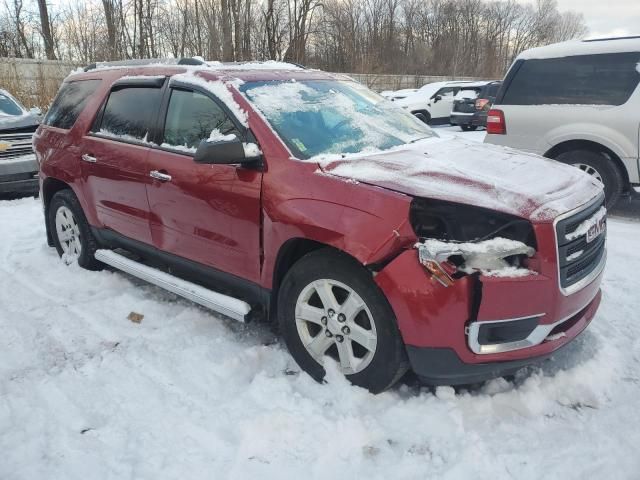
x: 459, y: 170
x: 14, y: 122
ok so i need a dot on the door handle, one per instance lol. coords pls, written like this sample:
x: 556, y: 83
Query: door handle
x: 89, y: 158
x: 163, y: 177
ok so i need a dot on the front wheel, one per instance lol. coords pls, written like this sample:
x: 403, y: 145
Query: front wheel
x: 71, y: 233
x: 329, y: 307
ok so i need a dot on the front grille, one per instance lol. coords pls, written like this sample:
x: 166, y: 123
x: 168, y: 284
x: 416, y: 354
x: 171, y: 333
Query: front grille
x: 577, y: 258
x: 20, y: 144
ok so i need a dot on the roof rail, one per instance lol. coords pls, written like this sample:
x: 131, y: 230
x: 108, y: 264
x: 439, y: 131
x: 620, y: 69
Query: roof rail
x: 630, y: 37
x: 146, y: 61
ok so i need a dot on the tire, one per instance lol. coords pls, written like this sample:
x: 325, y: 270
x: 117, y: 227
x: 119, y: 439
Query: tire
x: 426, y: 115
x: 468, y: 128
x: 376, y: 367
x: 65, y: 215
x: 604, y: 168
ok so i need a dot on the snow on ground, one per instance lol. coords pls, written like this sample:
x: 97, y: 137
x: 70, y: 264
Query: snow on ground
x: 87, y: 394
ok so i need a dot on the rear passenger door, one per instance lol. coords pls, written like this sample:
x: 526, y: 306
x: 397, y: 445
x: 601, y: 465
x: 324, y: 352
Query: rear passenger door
x: 209, y: 214
x: 115, y: 155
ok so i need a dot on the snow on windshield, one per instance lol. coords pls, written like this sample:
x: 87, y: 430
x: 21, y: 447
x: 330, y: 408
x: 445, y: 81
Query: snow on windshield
x: 316, y: 118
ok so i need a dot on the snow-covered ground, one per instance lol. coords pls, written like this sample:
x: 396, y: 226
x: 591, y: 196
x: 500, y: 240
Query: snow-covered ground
x: 86, y: 393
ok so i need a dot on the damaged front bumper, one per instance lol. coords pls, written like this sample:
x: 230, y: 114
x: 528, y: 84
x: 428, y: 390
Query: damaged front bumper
x: 476, y: 326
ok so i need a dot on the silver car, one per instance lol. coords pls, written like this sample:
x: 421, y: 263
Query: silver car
x: 18, y: 165
x: 577, y: 102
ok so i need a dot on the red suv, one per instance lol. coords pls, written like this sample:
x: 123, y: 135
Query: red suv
x: 276, y: 192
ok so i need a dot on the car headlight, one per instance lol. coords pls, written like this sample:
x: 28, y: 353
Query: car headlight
x: 457, y: 239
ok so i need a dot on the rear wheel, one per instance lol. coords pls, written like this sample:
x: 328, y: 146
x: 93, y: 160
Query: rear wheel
x: 468, y: 128
x: 329, y: 307
x: 71, y: 233
x: 600, y: 167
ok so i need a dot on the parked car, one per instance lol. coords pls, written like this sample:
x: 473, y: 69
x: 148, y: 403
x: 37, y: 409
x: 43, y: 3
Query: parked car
x: 434, y: 101
x: 579, y: 103
x: 303, y: 198
x: 400, y: 94
x: 18, y: 166
x: 471, y: 105
x: 394, y: 95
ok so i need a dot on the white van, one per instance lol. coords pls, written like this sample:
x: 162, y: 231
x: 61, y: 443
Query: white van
x: 577, y: 102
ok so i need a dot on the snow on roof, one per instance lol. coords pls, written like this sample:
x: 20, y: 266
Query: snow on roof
x: 582, y: 47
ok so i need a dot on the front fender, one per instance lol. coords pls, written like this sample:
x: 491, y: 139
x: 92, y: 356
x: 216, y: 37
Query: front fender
x: 368, y: 223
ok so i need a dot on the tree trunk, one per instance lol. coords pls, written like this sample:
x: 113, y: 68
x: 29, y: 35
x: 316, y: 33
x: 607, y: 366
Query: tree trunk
x: 227, y: 42
x: 46, y: 30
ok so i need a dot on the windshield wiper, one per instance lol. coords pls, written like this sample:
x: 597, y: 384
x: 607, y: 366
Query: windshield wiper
x: 419, y: 138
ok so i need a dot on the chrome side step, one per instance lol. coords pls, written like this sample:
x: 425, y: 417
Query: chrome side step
x: 229, y: 306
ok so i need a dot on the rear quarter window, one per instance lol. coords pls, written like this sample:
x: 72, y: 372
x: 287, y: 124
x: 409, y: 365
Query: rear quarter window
x: 603, y: 79
x: 69, y: 103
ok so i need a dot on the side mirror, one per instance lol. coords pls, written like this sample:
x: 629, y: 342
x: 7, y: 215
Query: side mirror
x: 437, y: 98
x: 222, y: 152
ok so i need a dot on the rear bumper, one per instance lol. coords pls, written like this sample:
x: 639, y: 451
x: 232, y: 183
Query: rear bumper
x: 476, y: 119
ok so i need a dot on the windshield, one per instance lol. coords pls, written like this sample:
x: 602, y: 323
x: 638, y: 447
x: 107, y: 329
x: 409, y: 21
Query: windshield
x: 320, y: 117
x: 9, y: 107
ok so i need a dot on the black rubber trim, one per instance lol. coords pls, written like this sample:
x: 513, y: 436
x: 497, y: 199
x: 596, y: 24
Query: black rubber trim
x: 442, y: 366
x: 19, y: 186
x: 492, y: 333
x: 208, y: 277
x: 506, y: 83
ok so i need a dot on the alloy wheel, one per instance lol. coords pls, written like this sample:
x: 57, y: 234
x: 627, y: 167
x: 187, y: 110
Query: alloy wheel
x: 589, y: 170
x: 68, y: 233
x: 333, y: 320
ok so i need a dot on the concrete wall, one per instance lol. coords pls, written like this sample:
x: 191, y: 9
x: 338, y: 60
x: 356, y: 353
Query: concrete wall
x: 33, y: 82
x: 396, y: 82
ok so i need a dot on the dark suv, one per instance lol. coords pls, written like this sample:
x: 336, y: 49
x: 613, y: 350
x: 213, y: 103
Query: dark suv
x: 275, y: 192
x: 471, y: 105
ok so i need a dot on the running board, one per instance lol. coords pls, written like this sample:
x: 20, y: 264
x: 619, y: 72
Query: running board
x: 229, y: 306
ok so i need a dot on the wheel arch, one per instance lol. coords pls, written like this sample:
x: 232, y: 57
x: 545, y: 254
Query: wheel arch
x: 51, y: 186
x: 289, y: 253
x: 572, y: 145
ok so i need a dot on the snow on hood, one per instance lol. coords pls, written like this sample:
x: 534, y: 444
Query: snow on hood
x: 12, y: 122
x: 459, y: 170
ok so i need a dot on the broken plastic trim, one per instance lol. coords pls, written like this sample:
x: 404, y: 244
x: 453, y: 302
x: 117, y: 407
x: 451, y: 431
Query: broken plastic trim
x: 487, y: 255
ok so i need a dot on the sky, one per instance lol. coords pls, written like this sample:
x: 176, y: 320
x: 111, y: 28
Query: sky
x: 607, y: 18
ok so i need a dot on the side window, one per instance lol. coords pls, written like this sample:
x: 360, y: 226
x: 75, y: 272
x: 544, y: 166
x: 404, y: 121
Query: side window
x: 446, y: 92
x: 492, y: 91
x: 603, y: 79
x: 129, y: 113
x: 69, y: 103
x: 193, y: 117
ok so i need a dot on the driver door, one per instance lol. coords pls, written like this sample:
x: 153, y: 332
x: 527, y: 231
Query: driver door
x: 206, y: 213
x: 441, y: 108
